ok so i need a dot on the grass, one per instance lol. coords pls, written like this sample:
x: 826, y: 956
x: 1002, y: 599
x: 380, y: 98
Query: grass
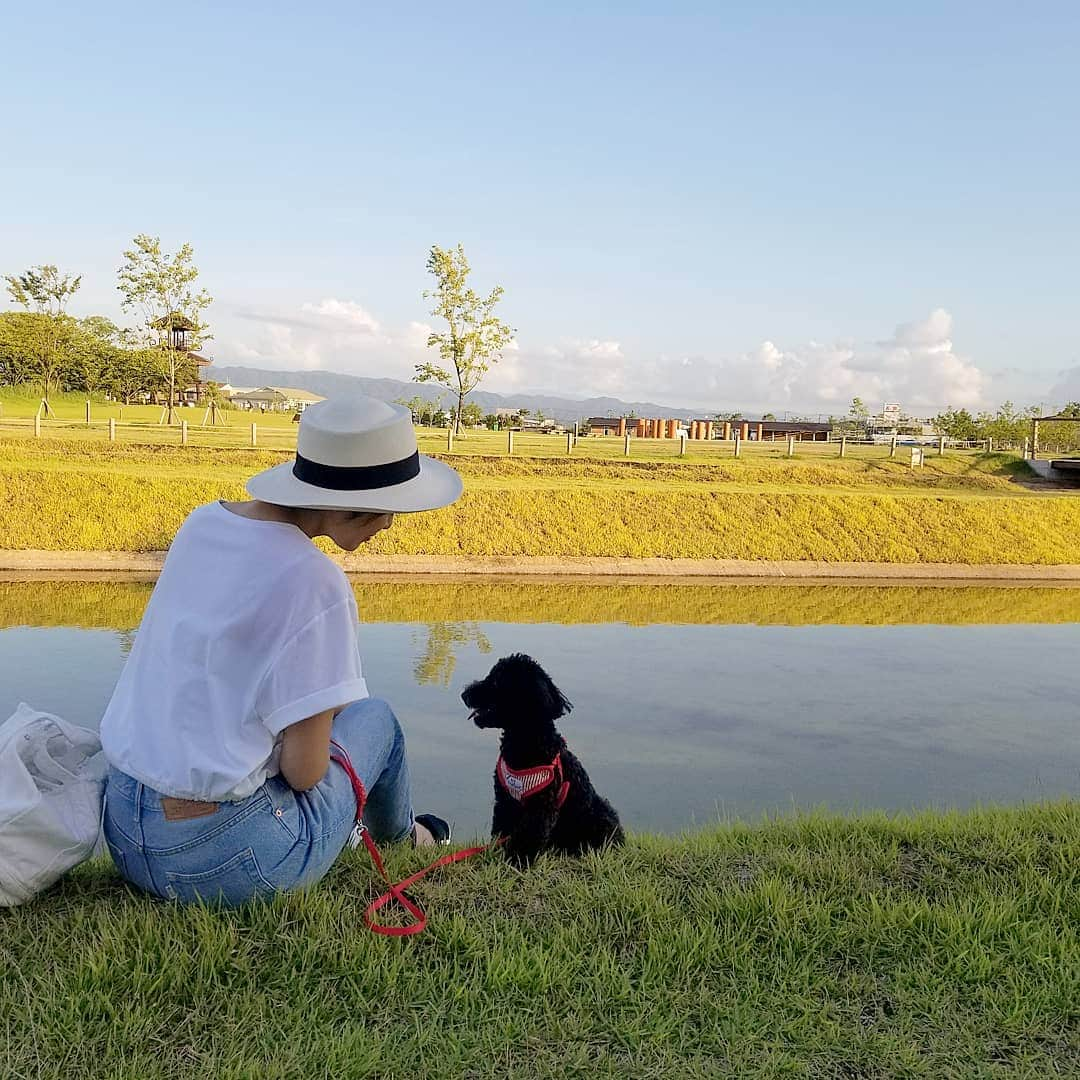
x: 940, y: 945
x: 119, y: 605
x: 66, y: 493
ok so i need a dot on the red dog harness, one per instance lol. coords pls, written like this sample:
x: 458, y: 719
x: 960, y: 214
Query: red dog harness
x: 523, y: 783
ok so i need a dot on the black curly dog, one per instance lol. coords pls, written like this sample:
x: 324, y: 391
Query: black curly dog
x: 565, y: 814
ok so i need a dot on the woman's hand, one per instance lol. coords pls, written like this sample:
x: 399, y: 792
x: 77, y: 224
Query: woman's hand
x: 305, y: 750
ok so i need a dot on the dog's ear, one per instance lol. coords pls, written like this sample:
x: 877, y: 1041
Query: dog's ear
x: 552, y: 701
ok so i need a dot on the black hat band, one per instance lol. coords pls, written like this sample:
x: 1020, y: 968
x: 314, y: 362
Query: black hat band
x: 357, y: 477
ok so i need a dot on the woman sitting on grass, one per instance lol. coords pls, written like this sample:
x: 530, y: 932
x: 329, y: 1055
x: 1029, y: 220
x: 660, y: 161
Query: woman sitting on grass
x: 246, y: 666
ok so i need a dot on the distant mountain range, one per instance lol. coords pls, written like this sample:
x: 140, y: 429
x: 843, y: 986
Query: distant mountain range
x: 333, y: 384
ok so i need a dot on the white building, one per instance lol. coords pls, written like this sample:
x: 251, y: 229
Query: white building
x: 274, y: 398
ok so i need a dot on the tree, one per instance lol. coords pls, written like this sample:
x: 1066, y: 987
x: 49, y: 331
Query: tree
x: 768, y: 416
x: 415, y: 405
x: 17, y: 334
x: 858, y: 410
x: 161, y: 288
x: 96, y: 353
x: 957, y: 424
x: 491, y: 421
x: 133, y: 373
x: 475, y: 336
x: 44, y: 293
x: 472, y: 414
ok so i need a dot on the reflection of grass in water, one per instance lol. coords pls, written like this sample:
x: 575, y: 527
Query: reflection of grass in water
x: 436, y: 665
x: 459, y: 605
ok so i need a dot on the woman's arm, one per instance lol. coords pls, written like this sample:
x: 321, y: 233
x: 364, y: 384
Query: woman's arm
x: 305, y: 750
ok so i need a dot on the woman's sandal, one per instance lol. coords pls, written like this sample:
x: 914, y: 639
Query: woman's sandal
x: 439, y: 829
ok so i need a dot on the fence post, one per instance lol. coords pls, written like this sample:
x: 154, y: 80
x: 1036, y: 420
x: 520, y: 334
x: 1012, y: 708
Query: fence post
x: 892, y: 447
x: 990, y: 445
x: 791, y: 446
x: 183, y: 433
x: 254, y: 435
x: 449, y: 438
x: 88, y: 410
x: 843, y: 445
x: 569, y: 441
x: 112, y: 429
x: 626, y: 445
x: 510, y: 442
x: 941, y: 446
x: 37, y: 424
x: 738, y: 445
x: 682, y: 444
x: 1027, y: 449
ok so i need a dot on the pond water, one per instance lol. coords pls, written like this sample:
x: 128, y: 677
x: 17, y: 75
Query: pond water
x: 693, y: 702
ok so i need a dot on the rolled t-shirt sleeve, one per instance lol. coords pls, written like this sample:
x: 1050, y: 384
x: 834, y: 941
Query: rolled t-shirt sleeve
x: 318, y: 668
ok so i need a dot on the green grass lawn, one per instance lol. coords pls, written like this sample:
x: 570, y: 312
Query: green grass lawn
x: 139, y: 424
x: 940, y: 945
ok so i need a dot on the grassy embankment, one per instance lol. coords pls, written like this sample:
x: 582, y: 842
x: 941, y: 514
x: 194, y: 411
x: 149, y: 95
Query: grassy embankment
x: 936, y: 945
x: 83, y: 494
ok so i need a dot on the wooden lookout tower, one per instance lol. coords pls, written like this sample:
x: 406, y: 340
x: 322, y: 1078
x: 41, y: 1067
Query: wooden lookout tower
x: 180, y: 334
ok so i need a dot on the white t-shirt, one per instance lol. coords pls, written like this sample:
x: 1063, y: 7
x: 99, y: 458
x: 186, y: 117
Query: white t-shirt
x: 250, y: 628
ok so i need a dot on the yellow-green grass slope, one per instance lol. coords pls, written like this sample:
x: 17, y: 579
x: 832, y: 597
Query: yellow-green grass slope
x: 940, y: 945
x: 81, y: 495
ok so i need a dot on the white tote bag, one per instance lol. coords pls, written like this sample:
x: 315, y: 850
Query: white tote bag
x: 52, y: 781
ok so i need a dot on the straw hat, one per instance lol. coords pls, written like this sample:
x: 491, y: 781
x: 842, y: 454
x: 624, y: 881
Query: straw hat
x: 358, y: 454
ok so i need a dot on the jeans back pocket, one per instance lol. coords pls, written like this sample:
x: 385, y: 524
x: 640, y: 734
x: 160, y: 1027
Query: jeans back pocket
x: 235, y: 881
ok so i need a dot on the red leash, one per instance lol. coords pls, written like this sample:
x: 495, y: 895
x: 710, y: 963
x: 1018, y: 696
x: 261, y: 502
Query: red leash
x: 395, y: 892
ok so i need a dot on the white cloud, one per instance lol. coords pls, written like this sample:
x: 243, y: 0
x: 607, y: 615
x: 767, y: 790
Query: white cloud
x: 346, y: 313
x: 918, y: 365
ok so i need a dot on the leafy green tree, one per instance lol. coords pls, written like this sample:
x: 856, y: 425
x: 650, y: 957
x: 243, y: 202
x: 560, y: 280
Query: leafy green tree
x: 1007, y: 427
x: 415, y: 405
x: 768, y: 416
x: 491, y: 421
x: 475, y: 336
x: 472, y: 414
x: 96, y: 352
x: 134, y: 372
x: 957, y: 424
x: 17, y: 335
x: 858, y: 410
x: 161, y: 289
x: 44, y: 292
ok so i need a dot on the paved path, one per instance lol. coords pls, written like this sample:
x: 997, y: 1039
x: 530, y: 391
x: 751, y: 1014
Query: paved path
x: 15, y: 562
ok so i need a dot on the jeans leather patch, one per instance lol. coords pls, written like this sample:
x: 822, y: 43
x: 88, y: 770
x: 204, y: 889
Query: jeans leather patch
x: 184, y: 809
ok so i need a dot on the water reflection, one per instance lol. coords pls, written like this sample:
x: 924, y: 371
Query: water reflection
x: 692, y: 700
x: 110, y: 603
x: 438, y: 659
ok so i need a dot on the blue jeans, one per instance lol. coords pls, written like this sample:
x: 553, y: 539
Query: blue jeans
x: 276, y: 838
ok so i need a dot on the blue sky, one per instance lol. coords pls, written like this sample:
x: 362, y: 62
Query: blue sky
x: 743, y: 206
